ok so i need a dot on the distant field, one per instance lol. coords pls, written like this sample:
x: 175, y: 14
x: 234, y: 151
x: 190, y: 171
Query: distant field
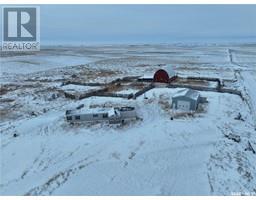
x: 188, y: 155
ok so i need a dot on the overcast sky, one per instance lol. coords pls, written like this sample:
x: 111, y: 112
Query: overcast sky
x: 146, y: 23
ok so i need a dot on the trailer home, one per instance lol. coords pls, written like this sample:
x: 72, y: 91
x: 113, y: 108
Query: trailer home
x: 111, y: 115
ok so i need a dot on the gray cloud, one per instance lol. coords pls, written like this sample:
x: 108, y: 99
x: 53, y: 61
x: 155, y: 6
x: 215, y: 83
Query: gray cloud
x: 146, y: 23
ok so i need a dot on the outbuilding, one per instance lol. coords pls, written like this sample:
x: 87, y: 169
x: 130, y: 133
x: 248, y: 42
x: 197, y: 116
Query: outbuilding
x: 111, y: 115
x: 164, y: 75
x: 186, y: 100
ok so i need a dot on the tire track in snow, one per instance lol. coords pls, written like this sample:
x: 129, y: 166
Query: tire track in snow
x: 26, y: 171
x: 60, y: 178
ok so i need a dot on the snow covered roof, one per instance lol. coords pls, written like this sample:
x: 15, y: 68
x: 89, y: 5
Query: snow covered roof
x: 147, y: 75
x: 169, y: 69
x: 192, y: 94
x: 110, y: 111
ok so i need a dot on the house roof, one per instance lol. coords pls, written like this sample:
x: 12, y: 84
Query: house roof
x: 110, y: 111
x: 192, y: 94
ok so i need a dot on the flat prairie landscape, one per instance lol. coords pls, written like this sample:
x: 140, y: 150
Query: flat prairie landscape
x: 42, y: 154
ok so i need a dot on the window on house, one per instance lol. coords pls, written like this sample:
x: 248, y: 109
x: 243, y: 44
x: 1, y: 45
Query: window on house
x: 77, y: 117
x: 105, y: 115
x: 95, y: 115
x: 69, y: 118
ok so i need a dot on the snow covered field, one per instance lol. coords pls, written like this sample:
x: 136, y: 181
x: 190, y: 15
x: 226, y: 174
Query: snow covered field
x: 41, y: 154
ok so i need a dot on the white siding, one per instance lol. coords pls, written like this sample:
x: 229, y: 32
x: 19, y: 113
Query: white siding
x: 183, y: 105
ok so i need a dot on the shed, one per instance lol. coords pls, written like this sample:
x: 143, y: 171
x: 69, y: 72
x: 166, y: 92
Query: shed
x: 164, y: 75
x: 186, y: 100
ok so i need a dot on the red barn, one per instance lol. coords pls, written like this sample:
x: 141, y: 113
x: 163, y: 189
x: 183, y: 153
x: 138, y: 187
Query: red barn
x: 164, y: 75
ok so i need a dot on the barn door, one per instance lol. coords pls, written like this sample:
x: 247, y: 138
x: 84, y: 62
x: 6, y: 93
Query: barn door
x: 183, y: 105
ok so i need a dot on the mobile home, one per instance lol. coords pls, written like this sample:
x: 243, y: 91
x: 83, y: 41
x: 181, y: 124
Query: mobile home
x: 111, y: 115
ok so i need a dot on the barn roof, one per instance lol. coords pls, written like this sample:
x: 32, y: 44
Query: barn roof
x: 192, y: 94
x: 169, y: 69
